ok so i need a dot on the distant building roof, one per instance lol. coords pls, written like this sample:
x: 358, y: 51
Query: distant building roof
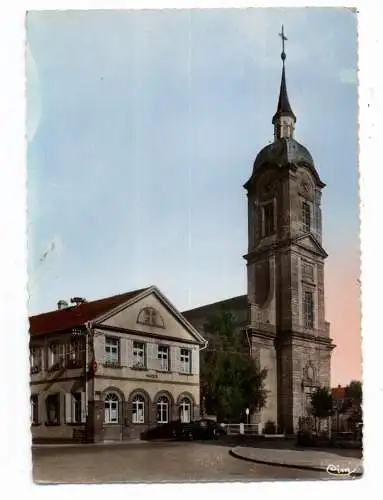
x: 234, y: 303
x: 339, y: 392
x: 75, y: 316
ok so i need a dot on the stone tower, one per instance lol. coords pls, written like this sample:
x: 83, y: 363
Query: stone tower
x: 285, y: 271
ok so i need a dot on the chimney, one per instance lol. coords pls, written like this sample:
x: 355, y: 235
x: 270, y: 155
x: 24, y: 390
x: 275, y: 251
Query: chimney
x: 62, y: 304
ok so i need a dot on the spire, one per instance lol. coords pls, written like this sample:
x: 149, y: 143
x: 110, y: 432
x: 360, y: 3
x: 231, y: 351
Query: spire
x: 284, y: 118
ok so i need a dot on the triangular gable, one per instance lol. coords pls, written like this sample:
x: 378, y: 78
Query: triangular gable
x: 126, y: 316
x: 309, y: 242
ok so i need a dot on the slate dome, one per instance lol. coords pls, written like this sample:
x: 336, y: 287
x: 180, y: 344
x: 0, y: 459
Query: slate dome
x: 282, y: 151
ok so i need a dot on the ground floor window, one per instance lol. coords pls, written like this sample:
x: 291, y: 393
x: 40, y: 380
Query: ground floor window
x: 53, y: 409
x: 35, y: 409
x: 185, y: 411
x: 138, y: 416
x: 76, y: 407
x: 111, y: 408
x: 163, y: 410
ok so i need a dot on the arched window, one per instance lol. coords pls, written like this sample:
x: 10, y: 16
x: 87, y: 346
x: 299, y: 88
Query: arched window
x: 138, y: 410
x: 163, y: 410
x: 111, y: 408
x: 185, y: 410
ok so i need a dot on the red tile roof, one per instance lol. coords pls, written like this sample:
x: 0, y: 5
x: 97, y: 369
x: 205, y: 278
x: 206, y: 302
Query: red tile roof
x: 74, y: 316
x: 339, y: 393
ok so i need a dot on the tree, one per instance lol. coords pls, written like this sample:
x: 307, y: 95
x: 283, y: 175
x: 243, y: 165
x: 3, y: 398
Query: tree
x: 322, y: 403
x: 230, y: 379
x: 354, y: 391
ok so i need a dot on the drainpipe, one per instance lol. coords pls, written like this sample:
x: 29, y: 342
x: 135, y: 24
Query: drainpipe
x: 88, y: 336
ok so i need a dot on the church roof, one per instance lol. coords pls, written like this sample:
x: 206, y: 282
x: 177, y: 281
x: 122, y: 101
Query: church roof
x: 283, y: 151
x: 283, y: 107
x: 238, y: 303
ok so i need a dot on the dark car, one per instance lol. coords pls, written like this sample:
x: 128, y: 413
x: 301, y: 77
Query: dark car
x: 202, y: 429
x: 170, y: 430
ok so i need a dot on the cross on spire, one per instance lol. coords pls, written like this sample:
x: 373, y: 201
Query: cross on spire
x: 284, y: 38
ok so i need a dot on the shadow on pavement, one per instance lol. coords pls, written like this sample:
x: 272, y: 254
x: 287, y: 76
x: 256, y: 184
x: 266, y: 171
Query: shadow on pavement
x: 280, y: 444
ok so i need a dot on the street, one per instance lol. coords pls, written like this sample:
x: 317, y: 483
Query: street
x: 153, y: 462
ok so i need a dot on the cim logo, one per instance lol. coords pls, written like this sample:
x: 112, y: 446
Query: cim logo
x: 337, y: 470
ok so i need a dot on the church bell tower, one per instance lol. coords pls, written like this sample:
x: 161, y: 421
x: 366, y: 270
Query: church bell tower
x: 285, y: 271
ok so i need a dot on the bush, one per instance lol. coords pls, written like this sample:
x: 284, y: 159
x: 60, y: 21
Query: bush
x: 270, y: 427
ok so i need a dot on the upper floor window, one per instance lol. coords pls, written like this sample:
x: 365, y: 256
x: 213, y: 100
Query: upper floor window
x: 76, y: 352
x: 112, y: 350
x: 308, y: 309
x: 163, y: 357
x: 306, y: 217
x: 35, y: 359
x: 57, y: 354
x: 185, y: 360
x: 138, y: 354
x: 268, y: 219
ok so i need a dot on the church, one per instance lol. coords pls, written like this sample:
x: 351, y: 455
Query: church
x: 283, y: 312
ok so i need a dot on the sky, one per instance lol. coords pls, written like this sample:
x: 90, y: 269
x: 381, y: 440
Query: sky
x: 142, y: 128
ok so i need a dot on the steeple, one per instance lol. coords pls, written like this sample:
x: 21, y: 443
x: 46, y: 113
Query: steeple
x: 284, y: 118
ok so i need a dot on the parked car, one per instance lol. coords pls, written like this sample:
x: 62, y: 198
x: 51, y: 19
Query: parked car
x: 170, y: 430
x: 202, y: 429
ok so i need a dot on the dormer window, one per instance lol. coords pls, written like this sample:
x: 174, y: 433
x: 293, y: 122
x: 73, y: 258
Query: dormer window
x: 306, y: 217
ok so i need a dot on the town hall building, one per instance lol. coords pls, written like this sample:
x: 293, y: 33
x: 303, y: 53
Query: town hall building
x: 283, y: 312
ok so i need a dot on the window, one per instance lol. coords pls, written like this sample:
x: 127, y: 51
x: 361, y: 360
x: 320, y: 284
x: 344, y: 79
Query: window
x: 138, y: 354
x: 185, y: 361
x: 76, y: 408
x: 35, y: 359
x: 76, y: 352
x: 185, y: 411
x: 138, y: 410
x: 306, y: 217
x: 163, y: 357
x: 112, y: 350
x: 34, y: 409
x: 53, y: 409
x: 57, y: 355
x: 308, y: 309
x: 111, y: 408
x: 308, y: 271
x: 268, y: 219
x: 163, y: 410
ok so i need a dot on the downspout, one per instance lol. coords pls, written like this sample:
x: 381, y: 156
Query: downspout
x: 88, y: 336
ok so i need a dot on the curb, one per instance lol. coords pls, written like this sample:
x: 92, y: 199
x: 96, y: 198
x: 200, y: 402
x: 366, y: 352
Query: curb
x: 237, y: 455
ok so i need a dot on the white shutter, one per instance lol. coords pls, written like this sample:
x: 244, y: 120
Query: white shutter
x: 99, y: 348
x: 83, y: 407
x: 152, y: 361
x: 129, y: 352
x: 122, y: 353
x: 195, y: 361
x: 175, y: 359
x: 68, y: 408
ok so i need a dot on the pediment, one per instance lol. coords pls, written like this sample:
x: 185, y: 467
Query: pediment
x: 152, y: 314
x: 310, y: 243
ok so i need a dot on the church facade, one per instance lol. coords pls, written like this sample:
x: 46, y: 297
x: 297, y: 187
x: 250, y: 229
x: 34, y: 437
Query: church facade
x: 284, y: 309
